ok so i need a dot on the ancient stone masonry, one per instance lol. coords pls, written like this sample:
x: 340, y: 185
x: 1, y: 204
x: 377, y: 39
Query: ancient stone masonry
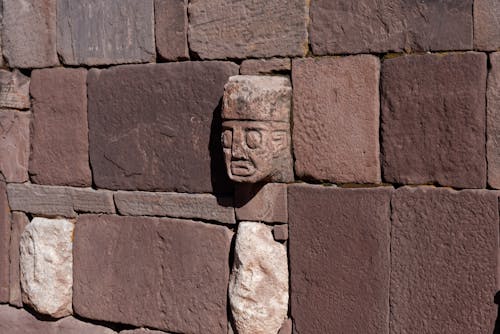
x: 249, y: 167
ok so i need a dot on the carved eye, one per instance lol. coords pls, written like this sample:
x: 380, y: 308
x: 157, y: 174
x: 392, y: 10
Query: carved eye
x: 227, y: 138
x: 253, y: 139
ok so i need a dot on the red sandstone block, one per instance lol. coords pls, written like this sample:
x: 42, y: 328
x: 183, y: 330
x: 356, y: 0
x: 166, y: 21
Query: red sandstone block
x: 493, y: 122
x: 171, y: 24
x: 265, y: 66
x: 14, y: 145
x: 339, y: 259
x: 261, y: 202
x: 18, y: 223
x: 443, y: 249
x: 157, y: 127
x: 59, y: 137
x: 433, y: 119
x: 346, y: 26
x: 166, y: 273
x: 336, y: 119
x: 486, y: 25
x: 4, y: 244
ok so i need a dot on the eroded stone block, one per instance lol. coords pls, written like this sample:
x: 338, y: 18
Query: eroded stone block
x: 171, y: 25
x: 5, y: 225
x: 14, y: 145
x: 14, y: 90
x: 258, y: 288
x: 19, y: 223
x: 46, y: 265
x: 486, y: 25
x: 493, y: 122
x: 100, y: 32
x: 265, y: 66
x: 261, y: 202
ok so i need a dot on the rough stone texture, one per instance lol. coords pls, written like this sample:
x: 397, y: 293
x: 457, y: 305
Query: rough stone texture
x: 59, y: 137
x: 59, y: 201
x: 171, y: 29
x: 486, y: 25
x: 178, y: 281
x: 46, y: 265
x: 433, y: 119
x: 280, y: 232
x: 261, y: 202
x: 339, y: 259
x: 240, y: 29
x: 265, y: 66
x: 493, y: 122
x: 19, y: 222
x: 157, y: 127
x: 14, y: 90
x: 444, y: 247
x: 345, y: 26
x: 5, y: 223
x: 29, y: 33
x: 286, y: 327
x: 141, y: 331
x: 336, y: 119
x: 14, y: 321
x: 258, y: 287
x: 100, y: 32
x: 195, y: 206
x: 14, y: 145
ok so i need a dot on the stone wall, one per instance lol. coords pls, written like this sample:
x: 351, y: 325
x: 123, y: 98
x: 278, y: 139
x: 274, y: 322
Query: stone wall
x: 116, y: 211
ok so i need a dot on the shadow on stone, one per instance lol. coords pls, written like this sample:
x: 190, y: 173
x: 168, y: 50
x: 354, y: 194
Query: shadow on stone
x: 496, y: 330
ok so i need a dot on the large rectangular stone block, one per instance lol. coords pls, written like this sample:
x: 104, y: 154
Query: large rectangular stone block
x: 59, y: 138
x: 171, y: 25
x: 339, y: 259
x: 178, y: 281
x: 493, y: 122
x: 14, y: 145
x: 158, y: 127
x: 433, y: 119
x: 29, y: 33
x: 486, y: 25
x: 443, y: 250
x: 5, y: 224
x: 336, y: 119
x: 100, y: 32
x: 220, y: 29
x: 346, y: 26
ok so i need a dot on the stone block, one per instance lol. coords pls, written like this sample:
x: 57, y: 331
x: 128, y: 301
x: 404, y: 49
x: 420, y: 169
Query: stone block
x: 339, y: 259
x: 261, y: 202
x: 14, y: 90
x: 493, y: 122
x: 433, y: 119
x: 443, y: 248
x: 59, y: 201
x: 101, y: 32
x: 15, y: 321
x: 5, y: 225
x: 171, y: 25
x: 46, y: 266
x: 265, y: 66
x: 29, y: 33
x: 258, y: 287
x: 141, y: 331
x: 18, y: 224
x: 336, y: 119
x: 221, y: 29
x: 59, y: 137
x: 280, y: 232
x: 178, y: 281
x: 14, y: 145
x: 345, y: 26
x: 286, y: 327
x: 176, y: 205
x: 486, y: 25
x: 157, y: 127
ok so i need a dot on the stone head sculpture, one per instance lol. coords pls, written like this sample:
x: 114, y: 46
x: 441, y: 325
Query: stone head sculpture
x: 256, y: 128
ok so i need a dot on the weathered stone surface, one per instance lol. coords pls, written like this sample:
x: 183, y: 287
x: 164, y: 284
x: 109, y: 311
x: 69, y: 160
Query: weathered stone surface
x: 444, y: 247
x: 339, y: 259
x: 18, y: 223
x: 29, y: 33
x: 59, y: 201
x: 261, y: 202
x: 195, y: 206
x: 433, y: 119
x: 5, y: 223
x: 258, y: 287
x: 14, y: 145
x: 178, y: 281
x: 336, y: 119
x: 59, y: 137
x: 97, y: 32
x: 280, y: 232
x: 14, y: 90
x: 228, y: 29
x: 286, y: 327
x: 171, y: 25
x: 345, y: 26
x: 486, y: 25
x: 265, y: 66
x: 14, y: 321
x: 493, y: 122
x: 141, y: 331
x: 46, y: 265
x: 157, y: 127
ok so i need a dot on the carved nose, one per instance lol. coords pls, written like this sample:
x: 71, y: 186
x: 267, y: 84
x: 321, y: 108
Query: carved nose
x: 237, y: 149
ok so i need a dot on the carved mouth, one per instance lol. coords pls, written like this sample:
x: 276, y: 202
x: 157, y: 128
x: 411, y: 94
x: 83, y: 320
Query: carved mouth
x: 242, y: 168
